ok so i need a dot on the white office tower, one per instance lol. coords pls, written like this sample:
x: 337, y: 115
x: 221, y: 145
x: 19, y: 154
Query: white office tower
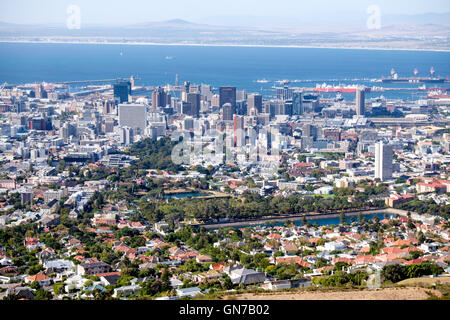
x: 205, y: 90
x: 134, y: 116
x: 383, y: 161
x: 126, y: 136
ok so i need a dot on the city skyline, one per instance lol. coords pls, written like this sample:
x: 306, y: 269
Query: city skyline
x: 188, y: 160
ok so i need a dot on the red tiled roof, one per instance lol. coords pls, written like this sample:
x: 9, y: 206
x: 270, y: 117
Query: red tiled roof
x: 38, y: 277
x: 295, y: 259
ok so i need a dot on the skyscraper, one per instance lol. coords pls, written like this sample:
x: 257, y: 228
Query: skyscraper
x: 205, y: 90
x: 133, y: 116
x: 194, y: 100
x: 215, y: 100
x: 241, y: 95
x: 254, y: 102
x: 297, y: 106
x: 185, y: 89
x: 126, y: 135
x: 186, y: 108
x: 310, y: 131
x: 122, y: 89
x: 108, y: 106
x: 227, y: 112
x: 40, y: 92
x: 239, y: 133
x: 383, y: 161
x: 360, y: 101
x: 160, y: 98
x: 285, y: 93
x: 227, y: 95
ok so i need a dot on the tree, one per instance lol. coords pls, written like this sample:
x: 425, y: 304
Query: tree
x: 35, y: 285
x: 227, y: 284
x: 304, y: 221
x: 421, y: 237
x: 41, y: 294
x: 360, y: 217
x: 393, y: 273
x: 165, y: 285
x: 342, y: 218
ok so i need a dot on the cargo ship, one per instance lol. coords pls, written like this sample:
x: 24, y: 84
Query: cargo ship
x: 395, y: 79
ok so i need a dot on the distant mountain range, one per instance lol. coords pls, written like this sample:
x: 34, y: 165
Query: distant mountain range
x: 425, y: 31
x: 328, y: 22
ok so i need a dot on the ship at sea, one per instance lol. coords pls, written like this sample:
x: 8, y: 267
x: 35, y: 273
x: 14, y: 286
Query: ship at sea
x: 430, y: 79
x: 283, y: 82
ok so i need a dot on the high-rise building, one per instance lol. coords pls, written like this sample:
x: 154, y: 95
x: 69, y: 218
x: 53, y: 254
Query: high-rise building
x: 254, y: 101
x: 108, y: 125
x: 227, y: 95
x: 67, y: 130
x: 241, y: 95
x: 160, y: 98
x: 126, y: 136
x: 297, y: 105
x: 205, y: 90
x: 194, y: 100
x: 227, y: 112
x: 360, y: 101
x: 383, y: 161
x: 287, y: 108
x: 108, y: 106
x: 40, y: 92
x: 133, y: 116
x: 310, y: 131
x: 122, y: 90
x: 186, y: 108
x: 215, y: 100
x: 185, y: 89
x: 239, y: 133
x: 285, y: 93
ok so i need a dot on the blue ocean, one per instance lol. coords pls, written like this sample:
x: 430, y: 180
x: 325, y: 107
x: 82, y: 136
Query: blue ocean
x: 238, y: 66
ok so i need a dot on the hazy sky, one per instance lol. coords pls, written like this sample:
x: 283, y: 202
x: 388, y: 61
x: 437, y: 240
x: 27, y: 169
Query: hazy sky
x: 136, y: 11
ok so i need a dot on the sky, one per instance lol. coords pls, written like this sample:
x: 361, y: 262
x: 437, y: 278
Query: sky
x: 113, y: 12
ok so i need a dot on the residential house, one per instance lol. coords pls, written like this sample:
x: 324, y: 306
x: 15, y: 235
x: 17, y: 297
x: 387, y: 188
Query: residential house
x: 40, y: 278
x: 58, y: 266
x: 75, y: 282
x: 126, y: 291
x: 430, y: 247
x: 109, y: 278
x: 93, y: 268
x: 22, y: 292
x: 246, y: 276
x: 289, y: 284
